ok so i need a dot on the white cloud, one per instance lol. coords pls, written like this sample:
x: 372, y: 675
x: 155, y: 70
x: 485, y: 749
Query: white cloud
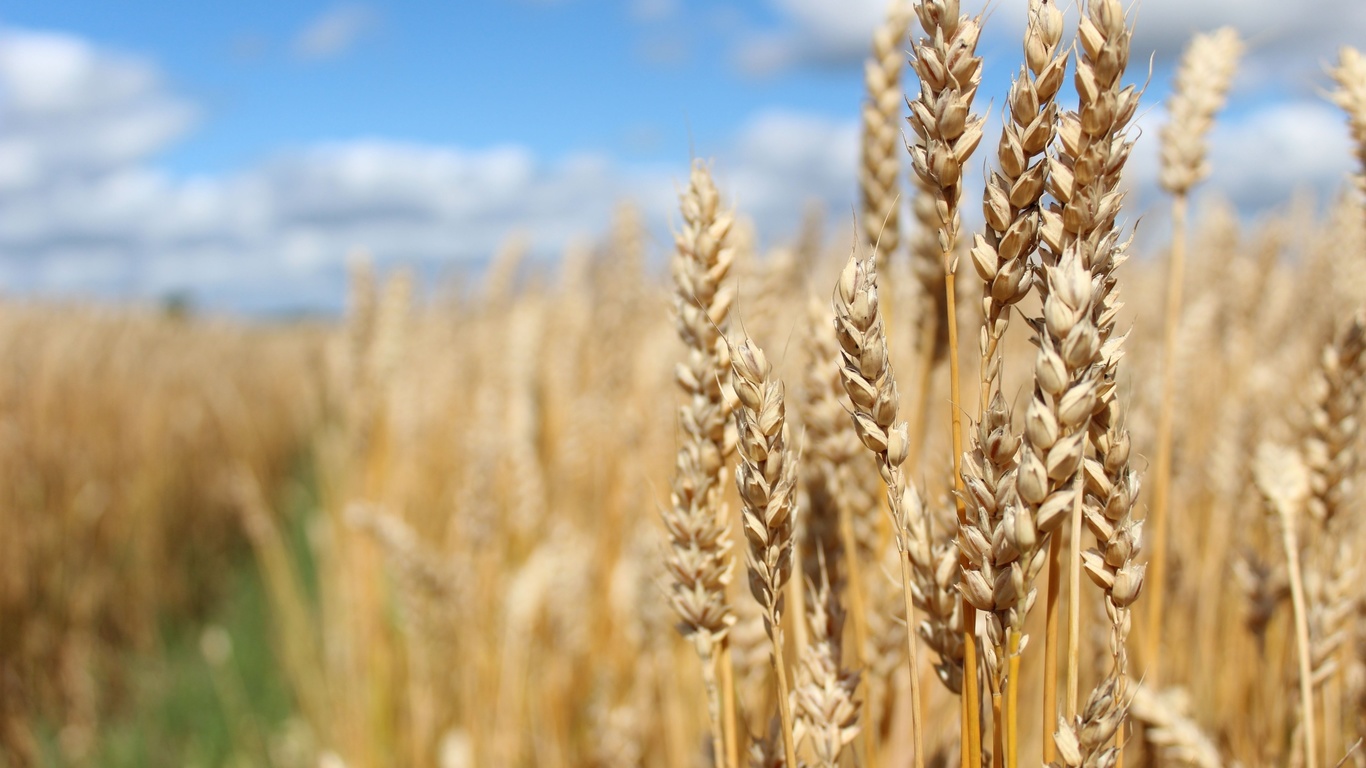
x: 1289, y: 41
x: 780, y: 160
x: 1259, y: 157
x: 334, y: 32
x: 69, y: 109
x: 814, y: 32
x: 649, y: 11
x: 83, y: 207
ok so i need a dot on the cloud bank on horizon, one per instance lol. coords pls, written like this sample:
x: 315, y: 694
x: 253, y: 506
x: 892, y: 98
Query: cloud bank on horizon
x: 86, y: 208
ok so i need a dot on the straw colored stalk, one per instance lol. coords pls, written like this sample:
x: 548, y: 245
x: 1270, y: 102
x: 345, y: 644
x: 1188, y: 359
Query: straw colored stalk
x: 1283, y: 479
x: 871, y: 386
x: 831, y: 448
x: 995, y: 579
x: 946, y: 134
x: 1047, y: 479
x: 880, y: 166
x: 699, y: 559
x: 1092, y: 147
x: 1202, y: 83
x: 1000, y: 255
x: 767, y: 479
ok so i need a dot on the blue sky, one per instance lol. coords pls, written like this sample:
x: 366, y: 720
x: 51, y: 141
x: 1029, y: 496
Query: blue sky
x: 240, y: 152
x: 639, y: 78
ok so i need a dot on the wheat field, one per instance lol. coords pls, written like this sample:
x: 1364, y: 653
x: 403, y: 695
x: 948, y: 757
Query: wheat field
x: 676, y: 504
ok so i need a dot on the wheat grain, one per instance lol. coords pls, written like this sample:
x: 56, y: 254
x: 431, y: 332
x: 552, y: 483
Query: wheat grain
x: 880, y: 166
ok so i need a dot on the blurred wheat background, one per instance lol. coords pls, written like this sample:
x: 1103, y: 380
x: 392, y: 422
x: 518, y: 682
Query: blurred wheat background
x: 670, y: 494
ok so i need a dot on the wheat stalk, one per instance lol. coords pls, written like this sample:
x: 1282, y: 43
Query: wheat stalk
x: 767, y: 479
x: 871, y: 386
x: 1202, y: 83
x: 1092, y: 147
x: 946, y: 134
x: 699, y: 559
x: 1283, y: 480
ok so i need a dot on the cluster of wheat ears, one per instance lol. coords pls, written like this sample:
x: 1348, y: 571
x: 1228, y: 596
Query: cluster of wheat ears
x: 1135, y: 539
x: 1044, y: 486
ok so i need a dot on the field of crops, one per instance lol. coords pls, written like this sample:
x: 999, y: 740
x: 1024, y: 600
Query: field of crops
x: 619, y: 514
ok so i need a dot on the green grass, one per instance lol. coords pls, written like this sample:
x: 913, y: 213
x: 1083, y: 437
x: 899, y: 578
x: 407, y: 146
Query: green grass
x: 181, y: 710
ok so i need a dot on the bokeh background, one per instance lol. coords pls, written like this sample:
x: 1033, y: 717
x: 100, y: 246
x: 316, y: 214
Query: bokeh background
x: 336, y: 404
x: 235, y: 154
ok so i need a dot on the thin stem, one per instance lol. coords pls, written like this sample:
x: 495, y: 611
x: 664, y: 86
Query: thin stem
x: 797, y: 599
x: 855, y: 587
x: 1012, y: 723
x: 997, y: 731
x: 784, y: 707
x: 916, y: 428
x: 1292, y: 557
x: 918, y: 726
x: 728, y: 704
x: 718, y: 742
x: 1157, y: 561
x: 972, y: 706
x: 1074, y: 605
x: 1050, y: 648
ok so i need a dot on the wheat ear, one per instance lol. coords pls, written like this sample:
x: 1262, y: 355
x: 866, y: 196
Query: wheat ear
x: 1092, y: 146
x: 1000, y: 255
x: 827, y: 712
x: 880, y: 166
x: 871, y: 386
x: 946, y: 134
x: 832, y: 446
x: 1283, y: 479
x: 1202, y: 83
x: 1330, y: 454
x: 699, y: 559
x: 1350, y: 74
x: 767, y: 479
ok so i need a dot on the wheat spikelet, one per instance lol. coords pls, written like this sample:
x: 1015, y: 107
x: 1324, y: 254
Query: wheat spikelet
x: 1350, y: 74
x: 1012, y: 194
x: 1334, y: 422
x: 699, y: 560
x: 869, y: 381
x: 1202, y: 83
x: 826, y: 711
x: 1283, y: 479
x: 1169, y: 727
x: 1092, y: 146
x: 1091, y: 143
x: 767, y: 480
x: 935, y: 577
x: 880, y: 165
x: 946, y: 133
x: 1086, y: 739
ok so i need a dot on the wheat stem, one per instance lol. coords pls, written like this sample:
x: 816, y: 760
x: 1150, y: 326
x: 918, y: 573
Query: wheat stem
x: 1292, y: 556
x: 1163, y: 464
x: 1050, y: 658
